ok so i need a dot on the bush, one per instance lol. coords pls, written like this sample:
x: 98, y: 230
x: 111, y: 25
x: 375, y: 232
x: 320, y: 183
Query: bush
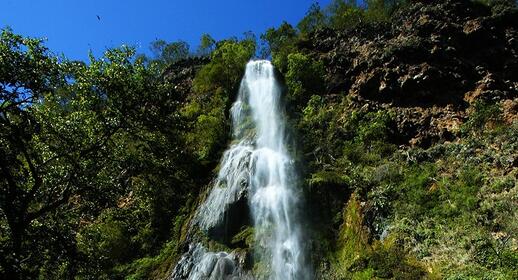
x: 353, y: 237
x: 483, y: 114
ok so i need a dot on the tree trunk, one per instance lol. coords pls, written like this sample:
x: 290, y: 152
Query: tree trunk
x: 14, y: 255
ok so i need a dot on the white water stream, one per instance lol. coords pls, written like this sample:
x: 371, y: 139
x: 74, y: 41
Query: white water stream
x: 258, y: 163
x: 274, y: 199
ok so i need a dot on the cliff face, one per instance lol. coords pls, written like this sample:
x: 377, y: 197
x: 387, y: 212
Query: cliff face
x: 430, y: 63
x: 410, y: 141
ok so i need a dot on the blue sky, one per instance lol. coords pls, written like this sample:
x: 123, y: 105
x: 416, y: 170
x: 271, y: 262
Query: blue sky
x: 72, y: 27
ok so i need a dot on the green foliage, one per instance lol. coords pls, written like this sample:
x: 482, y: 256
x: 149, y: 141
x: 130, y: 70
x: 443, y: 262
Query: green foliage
x: 347, y: 14
x: 26, y: 65
x: 443, y: 204
x: 316, y: 113
x: 339, y: 14
x: 280, y: 43
x: 326, y: 178
x: 226, y: 67
x: 313, y: 20
x: 373, y: 126
x: 359, y: 259
x: 93, y: 158
x: 353, y: 136
x: 382, y: 10
x: 344, y: 14
x: 367, y: 137
x: 304, y: 77
x: 440, y: 207
x: 106, y: 242
x: 353, y: 239
x: 209, y: 132
x: 244, y: 237
x: 215, y: 85
x: 483, y: 114
x: 167, y: 53
x: 390, y: 261
x: 157, y: 267
x: 317, y: 121
x: 207, y: 45
x: 31, y: 184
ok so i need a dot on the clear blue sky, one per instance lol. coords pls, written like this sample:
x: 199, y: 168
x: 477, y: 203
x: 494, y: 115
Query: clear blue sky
x: 72, y: 27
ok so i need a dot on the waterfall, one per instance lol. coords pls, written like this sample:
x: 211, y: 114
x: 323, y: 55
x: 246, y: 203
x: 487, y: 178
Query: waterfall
x: 273, y: 197
x: 256, y: 169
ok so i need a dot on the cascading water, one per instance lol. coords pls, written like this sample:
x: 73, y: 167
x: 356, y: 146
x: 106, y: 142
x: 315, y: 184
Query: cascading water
x: 259, y: 167
x: 273, y: 198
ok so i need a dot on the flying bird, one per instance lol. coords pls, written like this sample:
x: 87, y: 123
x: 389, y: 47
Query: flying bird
x: 98, y: 17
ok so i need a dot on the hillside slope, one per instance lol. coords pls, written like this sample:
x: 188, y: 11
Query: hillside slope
x: 409, y: 143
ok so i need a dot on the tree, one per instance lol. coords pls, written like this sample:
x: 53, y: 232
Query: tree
x: 314, y: 19
x: 280, y: 42
x: 304, y: 77
x: 226, y: 67
x: 169, y: 52
x: 382, y: 10
x: 59, y: 122
x: 207, y: 45
x: 344, y: 14
x: 26, y: 73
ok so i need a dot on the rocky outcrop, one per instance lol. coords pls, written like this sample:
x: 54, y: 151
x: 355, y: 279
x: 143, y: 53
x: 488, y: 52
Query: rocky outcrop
x: 430, y: 63
x: 181, y: 74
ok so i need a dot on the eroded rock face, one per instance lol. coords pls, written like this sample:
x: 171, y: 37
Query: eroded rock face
x: 428, y: 65
x: 182, y: 73
x: 233, y: 219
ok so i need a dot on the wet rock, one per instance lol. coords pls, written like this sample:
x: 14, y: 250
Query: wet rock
x: 200, y: 264
x: 226, y: 209
x: 223, y: 268
x: 234, y: 218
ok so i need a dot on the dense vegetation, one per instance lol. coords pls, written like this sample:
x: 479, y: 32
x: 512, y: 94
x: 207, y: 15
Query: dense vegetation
x: 103, y: 162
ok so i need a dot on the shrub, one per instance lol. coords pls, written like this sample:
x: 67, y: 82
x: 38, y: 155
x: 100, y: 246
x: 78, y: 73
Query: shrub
x: 482, y: 115
x: 316, y: 115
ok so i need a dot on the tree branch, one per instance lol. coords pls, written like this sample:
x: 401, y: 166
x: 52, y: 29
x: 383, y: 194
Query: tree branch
x: 51, y: 206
